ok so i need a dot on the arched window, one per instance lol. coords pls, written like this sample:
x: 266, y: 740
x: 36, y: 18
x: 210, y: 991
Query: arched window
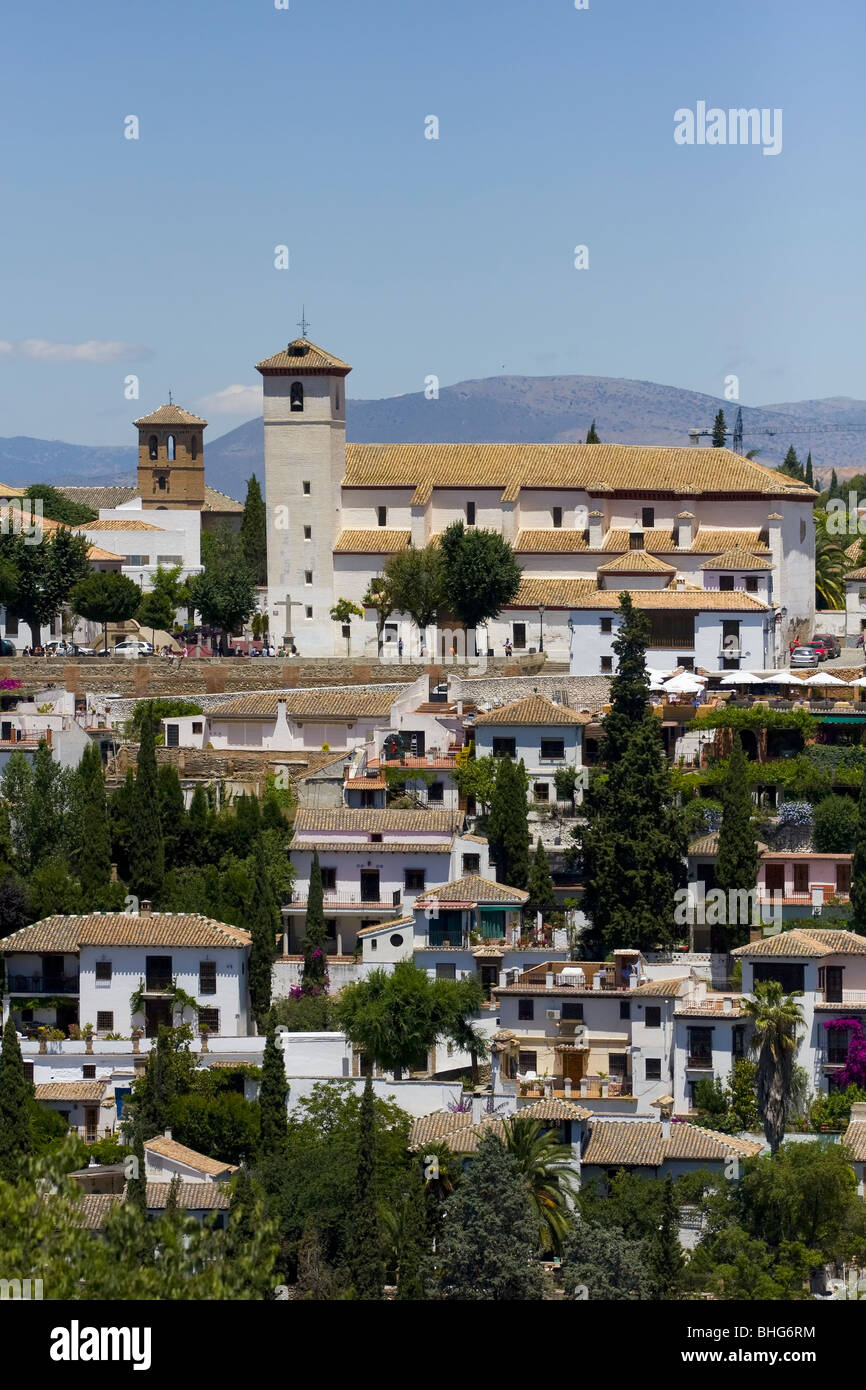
x: 193, y: 448
x: 297, y: 395
x: 169, y: 444
x: 153, y: 446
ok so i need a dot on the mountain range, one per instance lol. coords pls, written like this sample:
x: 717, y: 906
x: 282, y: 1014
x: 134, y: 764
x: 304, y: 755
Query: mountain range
x: 516, y: 409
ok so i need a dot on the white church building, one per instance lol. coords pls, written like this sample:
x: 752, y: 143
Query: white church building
x: 718, y: 549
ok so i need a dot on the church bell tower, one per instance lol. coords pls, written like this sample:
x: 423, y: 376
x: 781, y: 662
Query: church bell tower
x: 171, y: 459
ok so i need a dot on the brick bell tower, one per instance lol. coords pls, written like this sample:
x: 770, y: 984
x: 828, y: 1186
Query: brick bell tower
x: 171, y: 459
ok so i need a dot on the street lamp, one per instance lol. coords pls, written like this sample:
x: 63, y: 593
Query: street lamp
x: 541, y: 608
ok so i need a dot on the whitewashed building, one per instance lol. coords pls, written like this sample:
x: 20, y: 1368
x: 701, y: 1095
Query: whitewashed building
x: 545, y: 735
x: 339, y: 511
x: 339, y: 718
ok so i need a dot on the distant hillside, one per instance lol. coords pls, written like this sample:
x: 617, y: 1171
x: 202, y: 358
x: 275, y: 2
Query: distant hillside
x: 496, y: 409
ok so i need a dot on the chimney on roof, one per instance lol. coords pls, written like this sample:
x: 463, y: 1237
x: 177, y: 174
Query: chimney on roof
x: 346, y: 771
x: 727, y: 1005
x: 146, y: 907
x: 477, y: 1109
x: 636, y: 537
x: 596, y: 526
x: 167, y: 1134
x: 666, y: 1126
x: 548, y: 980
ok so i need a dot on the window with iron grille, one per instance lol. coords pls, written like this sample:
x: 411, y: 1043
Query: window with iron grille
x: 571, y: 1009
x: 413, y: 880
x: 105, y: 1021
x: 28, y: 1071
x: 329, y: 880
x: 209, y: 1019
x: 207, y: 977
x: 653, y: 1069
x: 527, y: 1061
x: 471, y: 863
x: 88, y: 1071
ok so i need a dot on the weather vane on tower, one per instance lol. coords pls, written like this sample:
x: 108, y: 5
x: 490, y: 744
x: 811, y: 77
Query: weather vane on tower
x: 302, y: 322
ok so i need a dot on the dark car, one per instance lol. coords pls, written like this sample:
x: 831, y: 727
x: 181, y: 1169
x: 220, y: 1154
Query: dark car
x: 828, y: 642
x: 6, y: 647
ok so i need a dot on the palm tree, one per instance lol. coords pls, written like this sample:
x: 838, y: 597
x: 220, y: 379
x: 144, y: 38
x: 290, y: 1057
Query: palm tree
x: 540, y: 1157
x: 466, y: 1036
x: 777, y: 1018
x: 830, y: 563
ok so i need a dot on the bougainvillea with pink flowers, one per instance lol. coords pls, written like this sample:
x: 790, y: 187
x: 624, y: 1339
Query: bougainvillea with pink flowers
x: 11, y: 685
x: 854, y: 1071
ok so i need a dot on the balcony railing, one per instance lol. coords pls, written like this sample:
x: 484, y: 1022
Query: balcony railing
x: 42, y: 984
x: 458, y: 941
x: 855, y: 997
x: 702, y: 1061
x: 348, y: 899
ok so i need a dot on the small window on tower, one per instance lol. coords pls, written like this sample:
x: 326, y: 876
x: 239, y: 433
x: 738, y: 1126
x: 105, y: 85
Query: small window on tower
x: 306, y: 486
x: 382, y: 515
x: 308, y: 576
x: 193, y: 448
x: 162, y: 482
x: 337, y: 397
x: 308, y: 533
x: 169, y: 444
x: 557, y: 516
x: 470, y: 513
x: 308, y: 612
x: 153, y: 447
x: 648, y: 516
x: 297, y: 395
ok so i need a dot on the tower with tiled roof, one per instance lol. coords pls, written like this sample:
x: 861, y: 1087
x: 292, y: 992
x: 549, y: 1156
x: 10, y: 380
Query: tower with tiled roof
x: 304, y: 408
x: 171, y: 459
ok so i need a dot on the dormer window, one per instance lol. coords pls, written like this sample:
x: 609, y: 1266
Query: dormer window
x: 296, y: 397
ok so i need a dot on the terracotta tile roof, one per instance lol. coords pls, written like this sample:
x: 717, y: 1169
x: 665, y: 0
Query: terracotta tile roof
x: 709, y: 844
x: 107, y: 498
x: 427, y: 1129
x: 584, y: 593
x: 642, y: 469
x: 801, y: 942
x: 380, y: 542
x: 338, y: 703
x: 660, y: 988
x: 386, y: 847
x: 362, y: 782
x: 655, y: 538
x: 117, y: 526
x: 636, y: 562
x: 715, y: 540
x: 472, y: 888
x: 534, y: 709
x: 856, y: 574
x: 737, y: 560
x: 302, y: 356
x: 81, y: 1091
x: 169, y: 1148
x: 7, y: 491
x: 61, y: 933
x: 215, y: 501
x: 557, y: 540
x: 712, y: 1008
x: 446, y: 763
x: 387, y: 925
x: 855, y: 1140
x: 92, y: 1208
x: 169, y: 415
x: 552, y: 1109
x: 370, y: 819
x: 193, y: 1196
x: 641, y: 1144
x: 854, y: 552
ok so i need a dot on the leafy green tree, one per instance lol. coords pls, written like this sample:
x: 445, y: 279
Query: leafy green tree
x: 463, y: 1032
x: 16, y: 1100
x: 56, y: 507
x: 105, y: 597
x: 43, y: 801
x: 858, y: 867
x: 225, y: 592
x: 15, y: 909
x: 834, y: 825
x: 94, y: 850
x: 53, y: 890
x: 168, y: 1074
x: 146, y: 849
x: 262, y: 921
x: 154, y: 613
x: 719, y: 430
x: 45, y: 574
x: 394, y: 1019
x: 272, y: 1097
x: 314, y: 976
x: 480, y: 573
x: 404, y: 1223
x: 540, y: 1158
x: 487, y: 1249
x: 343, y: 611
x: 600, y: 1260
x: 791, y: 465
x: 592, y: 435
x: 224, y: 1126
x: 476, y: 777
x: 507, y: 825
x: 542, y: 897
x: 665, y: 1252
x: 365, y: 1263
x: 254, y: 532
x: 777, y: 1019
x: 738, y: 858
x: 378, y: 596
x: 415, y: 578
x: 311, y: 1013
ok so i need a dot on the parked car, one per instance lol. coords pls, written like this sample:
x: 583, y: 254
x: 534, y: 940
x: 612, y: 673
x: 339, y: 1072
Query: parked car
x: 804, y: 656
x: 821, y: 651
x: 6, y: 647
x: 133, y: 646
x: 829, y: 642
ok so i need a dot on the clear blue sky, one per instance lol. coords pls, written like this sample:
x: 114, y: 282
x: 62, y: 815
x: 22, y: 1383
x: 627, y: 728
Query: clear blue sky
x: 306, y: 127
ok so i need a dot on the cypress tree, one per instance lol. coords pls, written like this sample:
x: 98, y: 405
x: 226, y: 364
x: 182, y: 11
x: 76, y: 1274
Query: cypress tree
x: 858, y: 867
x: 665, y: 1251
x: 16, y: 1102
x: 791, y: 464
x: 199, y: 810
x: 507, y: 825
x: 272, y: 1099
x: 314, y: 977
x: 542, y: 897
x: 172, y: 814
x: 810, y: 477
x: 136, y: 1187
x: 365, y: 1262
x: 412, y: 1243
x: 157, y: 1089
x: 634, y: 846
x: 719, y: 431
x: 591, y: 435
x: 94, y: 857
x: 261, y: 921
x: 146, y: 851
x: 254, y: 532
x: 738, y: 860
x: 629, y: 688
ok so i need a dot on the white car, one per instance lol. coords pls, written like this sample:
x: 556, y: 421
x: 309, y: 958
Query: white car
x: 133, y: 647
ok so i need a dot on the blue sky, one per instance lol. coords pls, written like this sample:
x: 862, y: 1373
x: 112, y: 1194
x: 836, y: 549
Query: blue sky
x: 452, y: 257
